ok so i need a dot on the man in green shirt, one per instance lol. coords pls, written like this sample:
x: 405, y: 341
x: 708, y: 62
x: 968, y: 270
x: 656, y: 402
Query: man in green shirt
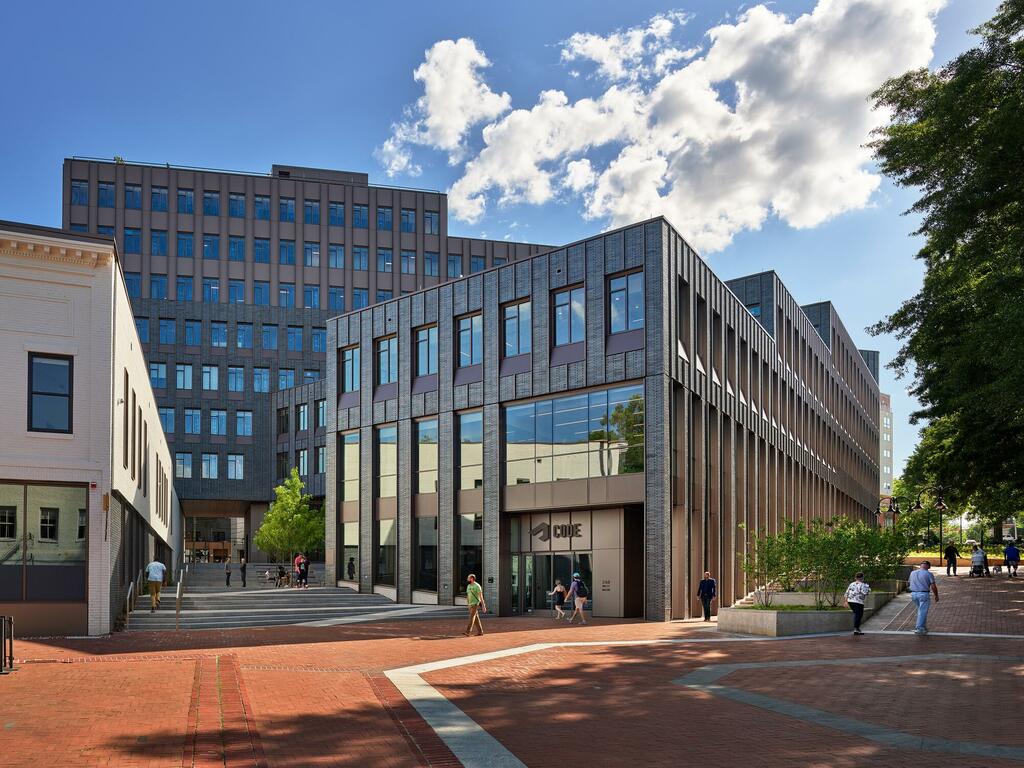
x: 476, y: 604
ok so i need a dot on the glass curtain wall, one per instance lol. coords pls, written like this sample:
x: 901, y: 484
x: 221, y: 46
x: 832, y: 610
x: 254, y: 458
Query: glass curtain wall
x: 348, y: 473
x: 425, y: 575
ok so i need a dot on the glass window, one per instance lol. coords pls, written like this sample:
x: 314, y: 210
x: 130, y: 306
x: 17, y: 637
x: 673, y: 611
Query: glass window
x: 285, y: 378
x: 426, y: 456
x: 133, y: 283
x: 360, y: 258
x: 183, y: 465
x: 185, y: 200
x: 626, y: 302
x: 193, y: 333
x: 211, y: 203
x: 384, y: 259
x: 336, y: 256
x: 430, y: 260
x: 500, y: 261
x: 384, y: 218
x: 268, y: 334
x: 158, y: 287
x: 309, y: 375
x: 321, y: 459
x: 133, y: 197
x: 236, y: 206
x: 218, y: 422
x: 236, y: 291
x: 184, y: 288
x: 193, y: 421
x: 311, y: 211
x: 236, y: 378
x: 50, y: 564
x: 454, y: 265
x: 360, y: 216
x: 106, y: 194
x: 336, y: 299
x: 349, y: 369
x: 360, y: 298
x: 244, y: 335
x: 311, y: 297
x: 425, y: 553
x: 321, y: 414
x: 471, y: 450
x: 79, y: 228
x: 219, y: 334
x: 158, y: 375
x: 185, y: 243
x: 286, y: 252
x: 261, y: 293
x: 754, y: 309
x: 209, y: 466
x: 158, y: 199
x: 261, y: 250
x: 132, y: 240
x: 167, y: 420
x: 302, y: 461
x: 183, y: 376
x: 8, y: 521
x: 236, y: 249
x: 211, y: 377
x: 261, y: 379
x: 408, y: 220
x: 211, y: 247
x: 408, y: 262
x: 142, y: 328
x: 236, y: 466
x: 383, y: 295
x: 471, y: 550
x: 243, y: 423
x: 387, y: 548
x: 261, y: 207
x: 350, y: 549
x: 387, y: 462
x: 319, y: 339
x: 51, y: 390
x: 336, y: 214
x: 387, y: 360
x: 294, y: 337
x: 431, y: 222
x: 426, y: 351
x: 79, y: 192
x: 471, y: 340
x: 517, y: 329
x: 167, y: 331
x: 282, y: 464
x: 286, y: 295
x: 477, y: 264
x: 311, y: 254
x: 348, y: 466
x: 286, y: 209
x: 105, y: 230
x: 158, y: 242
x: 301, y: 417
x: 569, y: 316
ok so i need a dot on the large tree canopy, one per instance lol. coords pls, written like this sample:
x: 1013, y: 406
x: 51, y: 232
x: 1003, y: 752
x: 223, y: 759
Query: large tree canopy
x: 957, y: 134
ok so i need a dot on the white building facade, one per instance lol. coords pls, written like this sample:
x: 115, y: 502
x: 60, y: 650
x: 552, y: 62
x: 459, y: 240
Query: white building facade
x: 86, y: 497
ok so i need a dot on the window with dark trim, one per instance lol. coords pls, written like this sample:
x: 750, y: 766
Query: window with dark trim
x: 626, y: 302
x: 50, y: 388
x: 470, y: 340
x: 516, y: 328
x: 569, y: 315
x: 387, y: 360
x: 48, y: 523
x: 349, y: 369
x: 426, y: 351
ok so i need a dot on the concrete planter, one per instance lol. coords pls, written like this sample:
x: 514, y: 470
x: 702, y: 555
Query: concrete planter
x: 875, y: 600
x: 750, y: 621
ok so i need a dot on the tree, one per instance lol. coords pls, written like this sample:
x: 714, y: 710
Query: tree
x: 291, y: 525
x: 956, y: 134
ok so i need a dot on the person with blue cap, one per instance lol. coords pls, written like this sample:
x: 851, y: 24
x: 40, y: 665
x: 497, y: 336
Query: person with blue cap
x: 578, y: 594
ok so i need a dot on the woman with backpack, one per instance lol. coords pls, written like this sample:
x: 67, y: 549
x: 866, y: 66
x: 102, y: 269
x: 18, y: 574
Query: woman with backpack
x: 578, y: 594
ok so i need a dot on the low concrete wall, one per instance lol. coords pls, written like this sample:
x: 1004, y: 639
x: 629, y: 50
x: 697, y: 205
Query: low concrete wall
x: 751, y: 621
x: 874, y: 601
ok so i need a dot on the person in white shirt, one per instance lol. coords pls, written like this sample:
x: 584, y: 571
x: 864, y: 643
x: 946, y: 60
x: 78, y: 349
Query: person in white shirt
x: 856, y: 594
x: 156, y: 574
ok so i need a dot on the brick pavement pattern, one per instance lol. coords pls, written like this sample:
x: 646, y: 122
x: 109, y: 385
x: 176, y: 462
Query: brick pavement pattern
x: 988, y: 605
x: 291, y: 696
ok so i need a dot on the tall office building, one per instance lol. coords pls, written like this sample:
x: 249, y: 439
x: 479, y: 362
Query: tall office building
x: 885, y: 445
x: 609, y: 407
x: 232, y: 277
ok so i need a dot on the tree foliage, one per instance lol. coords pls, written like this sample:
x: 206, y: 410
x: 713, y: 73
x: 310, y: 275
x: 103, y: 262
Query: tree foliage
x: 291, y: 525
x: 957, y: 135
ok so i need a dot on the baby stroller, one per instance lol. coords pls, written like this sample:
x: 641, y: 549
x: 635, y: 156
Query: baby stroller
x: 977, y: 569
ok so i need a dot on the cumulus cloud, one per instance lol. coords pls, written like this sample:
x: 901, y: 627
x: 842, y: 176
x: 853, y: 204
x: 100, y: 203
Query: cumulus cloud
x: 455, y: 98
x: 769, y: 118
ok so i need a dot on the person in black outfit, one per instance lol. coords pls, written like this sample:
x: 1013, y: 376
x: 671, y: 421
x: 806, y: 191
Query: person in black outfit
x: 351, y: 569
x: 227, y: 572
x: 241, y: 568
x: 707, y: 590
x: 951, y: 554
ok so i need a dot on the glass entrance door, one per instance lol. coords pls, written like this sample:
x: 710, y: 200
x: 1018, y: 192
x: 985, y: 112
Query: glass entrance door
x: 534, y: 575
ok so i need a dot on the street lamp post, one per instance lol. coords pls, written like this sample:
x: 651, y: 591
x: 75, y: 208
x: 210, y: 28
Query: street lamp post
x: 939, y: 505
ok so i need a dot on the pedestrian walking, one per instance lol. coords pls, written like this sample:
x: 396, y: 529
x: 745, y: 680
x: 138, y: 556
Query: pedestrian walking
x: 304, y: 572
x: 1011, y: 559
x: 295, y: 570
x: 951, y: 554
x: 558, y: 593
x: 227, y: 572
x: 707, y: 591
x: 476, y: 604
x: 577, y: 597
x: 156, y: 575
x: 856, y: 594
x: 351, y: 569
x: 241, y: 570
x: 922, y: 587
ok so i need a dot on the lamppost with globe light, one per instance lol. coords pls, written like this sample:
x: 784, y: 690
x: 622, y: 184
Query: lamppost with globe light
x: 939, y: 504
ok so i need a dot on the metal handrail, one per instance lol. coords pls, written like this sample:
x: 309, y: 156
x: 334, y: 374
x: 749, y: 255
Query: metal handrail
x: 129, y: 605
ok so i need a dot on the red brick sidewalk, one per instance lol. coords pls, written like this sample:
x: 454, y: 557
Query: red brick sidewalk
x: 992, y: 606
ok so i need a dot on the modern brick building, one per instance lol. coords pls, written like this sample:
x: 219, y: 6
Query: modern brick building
x: 232, y: 277
x: 610, y: 407
x: 885, y: 444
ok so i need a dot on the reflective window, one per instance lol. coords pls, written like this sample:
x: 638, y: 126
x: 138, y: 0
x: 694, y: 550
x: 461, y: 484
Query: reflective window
x: 236, y: 206
x: 387, y: 548
x: 142, y: 328
x: 294, y: 338
x: 286, y: 295
x: 105, y: 195
x: 133, y: 283
x: 133, y: 197
x: 193, y: 421
x: 158, y: 242
x: 167, y: 420
x: 408, y: 220
x: 209, y: 466
x: 51, y: 390
x: 285, y: 378
x: 349, y: 546
x: 454, y: 265
x: 384, y: 218
x: 167, y: 331
x: 211, y: 378
x: 183, y: 288
x: 319, y: 339
x: 321, y: 414
x: 302, y: 462
x: 311, y: 297
x: 268, y: 334
x: 360, y: 217
x: 348, y: 466
x: 79, y: 192
x: 243, y: 423
x: 132, y: 240
x: 569, y: 316
x: 425, y: 553
x: 426, y: 351
x: 261, y: 250
x: 244, y: 335
x: 261, y: 207
x: 426, y: 456
x: 183, y: 376
x: 211, y: 203
x: 431, y: 222
x: 236, y: 378
x: 185, y: 201
x: 387, y: 462
x: 261, y: 379
x: 360, y: 258
x: 311, y: 212
x: 236, y: 466
x: 383, y: 295
x: 336, y: 214
x: 477, y: 264
x: 471, y: 340
x: 183, y: 465
x: 516, y: 329
x: 349, y: 369
x: 384, y: 259
x: 626, y: 302
x: 261, y: 293
x: 185, y: 244
x: 219, y: 334
x: 236, y: 249
x: 430, y: 260
x: 236, y: 291
x: 286, y: 209
x: 301, y: 417
x: 311, y: 254
x: 193, y: 333
x: 336, y: 256
x: 158, y: 199
x: 471, y: 450
x: 408, y: 262
x: 211, y: 247
x: 321, y: 459
x: 387, y: 360
x: 158, y: 375
x: 360, y: 298
x: 286, y: 252
x: 470, y: 534
x: 158, y: 287
x: 218, y: 422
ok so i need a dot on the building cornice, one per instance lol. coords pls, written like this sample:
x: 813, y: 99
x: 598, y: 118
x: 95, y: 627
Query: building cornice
x: 55, y: 249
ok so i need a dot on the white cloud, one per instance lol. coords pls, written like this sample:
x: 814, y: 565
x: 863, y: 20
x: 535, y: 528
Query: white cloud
x: 455, y: 98
x: 769, y: 119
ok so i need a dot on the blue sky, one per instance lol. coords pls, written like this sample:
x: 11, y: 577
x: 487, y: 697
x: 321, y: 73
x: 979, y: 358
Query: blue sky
x: 242, y: 85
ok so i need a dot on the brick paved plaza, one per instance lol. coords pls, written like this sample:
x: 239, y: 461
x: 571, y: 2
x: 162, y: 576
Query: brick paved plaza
x: 295, y: 696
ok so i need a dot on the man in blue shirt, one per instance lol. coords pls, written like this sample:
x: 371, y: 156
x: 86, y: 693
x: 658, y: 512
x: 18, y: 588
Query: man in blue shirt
x: 922, y: 587
x: 706, y: 591
x: 1011, y: 558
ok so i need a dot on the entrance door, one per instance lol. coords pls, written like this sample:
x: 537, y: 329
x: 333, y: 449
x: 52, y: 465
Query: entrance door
x: 534, y: 575
x: 541, y: 582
